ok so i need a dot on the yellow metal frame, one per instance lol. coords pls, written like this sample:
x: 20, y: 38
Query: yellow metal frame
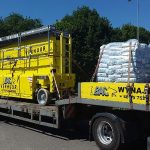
x: 27, y: 63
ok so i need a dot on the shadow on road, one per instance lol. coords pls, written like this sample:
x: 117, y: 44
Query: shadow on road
x: 137, y: 145
x: 70, y: 134
x: 81, y: 132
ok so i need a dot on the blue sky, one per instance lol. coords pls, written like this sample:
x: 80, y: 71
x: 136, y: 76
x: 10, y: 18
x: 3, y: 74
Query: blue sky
x: 118, y: 12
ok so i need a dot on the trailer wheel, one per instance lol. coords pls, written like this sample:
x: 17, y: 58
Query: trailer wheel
x: 43, y: 97
x: 106, y: 133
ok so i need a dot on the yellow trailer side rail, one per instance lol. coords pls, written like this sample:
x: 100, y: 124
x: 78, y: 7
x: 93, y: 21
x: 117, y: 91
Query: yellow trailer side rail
x: 115, y: 95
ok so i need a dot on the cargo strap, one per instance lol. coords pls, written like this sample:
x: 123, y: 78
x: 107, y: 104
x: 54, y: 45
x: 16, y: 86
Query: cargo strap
x: 129, y: 92
x: 129, y: 62
x: 147, y: 91
x: 130, y: 87
x: 56, y: 84
x: 99, y: 60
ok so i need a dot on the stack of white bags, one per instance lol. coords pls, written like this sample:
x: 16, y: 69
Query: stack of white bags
x: 114, y: 63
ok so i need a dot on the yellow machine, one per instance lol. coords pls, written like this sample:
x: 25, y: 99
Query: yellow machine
x: 36, y: 64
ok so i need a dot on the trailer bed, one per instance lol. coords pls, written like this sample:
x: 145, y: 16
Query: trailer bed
x: 34, y: 113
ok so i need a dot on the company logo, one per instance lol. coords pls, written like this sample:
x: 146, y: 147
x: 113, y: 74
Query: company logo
x: 7, y: 80
x: 101, y: 91
x: 9, y: 85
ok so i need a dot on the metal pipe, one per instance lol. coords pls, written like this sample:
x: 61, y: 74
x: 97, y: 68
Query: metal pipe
x: 48, y: 40
x: 138, y: 11
x: 70, y: 54
x: 61, y: 53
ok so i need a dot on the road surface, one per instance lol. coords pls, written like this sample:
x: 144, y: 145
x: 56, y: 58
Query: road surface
x: 15, y: 135
x: 31, y: 137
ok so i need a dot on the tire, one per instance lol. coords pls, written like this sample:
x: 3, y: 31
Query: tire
x: 43, y: 97
x: 106, y: 133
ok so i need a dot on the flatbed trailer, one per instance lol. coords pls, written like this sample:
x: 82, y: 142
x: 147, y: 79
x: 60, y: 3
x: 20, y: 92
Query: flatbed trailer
x: 111, y: 121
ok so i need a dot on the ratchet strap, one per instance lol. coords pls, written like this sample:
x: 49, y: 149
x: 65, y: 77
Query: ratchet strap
x: 99, y: 60
x: 130, y: 87
x: 147, y: 91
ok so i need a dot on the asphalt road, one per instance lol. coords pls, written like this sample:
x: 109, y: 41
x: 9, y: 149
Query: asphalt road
x: 16, y: 135
x: 21, y: 136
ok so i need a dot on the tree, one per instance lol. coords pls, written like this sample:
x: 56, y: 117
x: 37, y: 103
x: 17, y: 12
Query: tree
x: 15, y: 23
x: 129, y: 31
x: 144, y: 35
x: 116, y: 35
x: 89, y: 31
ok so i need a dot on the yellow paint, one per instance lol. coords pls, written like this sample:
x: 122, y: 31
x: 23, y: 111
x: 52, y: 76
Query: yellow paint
x: 25, y: 66
x: 115, y: 92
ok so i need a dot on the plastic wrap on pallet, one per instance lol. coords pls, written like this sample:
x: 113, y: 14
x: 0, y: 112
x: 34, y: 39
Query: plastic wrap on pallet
x: 102, y: 75
x: 114, y: 63
x: 126, y: 80
x: 104, y: 79
x: 103, y: 65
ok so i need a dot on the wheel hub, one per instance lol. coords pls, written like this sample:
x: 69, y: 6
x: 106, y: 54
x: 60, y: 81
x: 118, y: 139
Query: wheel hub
x: 105, y: 132
x: 42, y: 97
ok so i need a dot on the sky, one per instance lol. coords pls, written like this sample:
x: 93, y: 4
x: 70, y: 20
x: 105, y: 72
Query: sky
x: 118, y: 12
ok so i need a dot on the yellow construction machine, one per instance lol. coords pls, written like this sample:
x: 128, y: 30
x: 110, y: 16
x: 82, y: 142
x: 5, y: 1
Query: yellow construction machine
x: 36, y: 64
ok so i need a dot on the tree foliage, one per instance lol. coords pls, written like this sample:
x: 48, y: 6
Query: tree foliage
x: 89, y: 31
x: 129, y: 31
x: 15, y: 23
